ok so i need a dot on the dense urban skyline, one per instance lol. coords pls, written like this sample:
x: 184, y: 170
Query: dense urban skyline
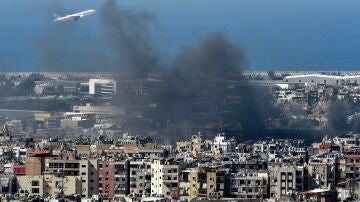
x: 173, y: 100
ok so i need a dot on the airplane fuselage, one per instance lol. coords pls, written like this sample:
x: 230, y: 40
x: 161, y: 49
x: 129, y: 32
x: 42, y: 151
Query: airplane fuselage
x: 75, y: 16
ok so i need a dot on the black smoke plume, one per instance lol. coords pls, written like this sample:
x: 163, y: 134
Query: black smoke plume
x: 336, y: 114
x: 206, y: 78
x: 128, y: 35
x: 202, y: 86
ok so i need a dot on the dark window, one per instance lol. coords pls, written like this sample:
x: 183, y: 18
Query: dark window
x: 35, y: 190
x: 34, y: 183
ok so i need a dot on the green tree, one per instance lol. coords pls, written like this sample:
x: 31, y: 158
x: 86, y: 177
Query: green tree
x: 26, y: 87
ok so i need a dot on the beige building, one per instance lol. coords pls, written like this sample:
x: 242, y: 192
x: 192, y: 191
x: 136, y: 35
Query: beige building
x: 35, y: 162
x: 285, y: 180
x: 248, y: 184
x: 140, y: 177
x: 86, y: 169
x: 49, y: 185
x: 197, y: 144
x: 164, y: 178
x: 206, y: 183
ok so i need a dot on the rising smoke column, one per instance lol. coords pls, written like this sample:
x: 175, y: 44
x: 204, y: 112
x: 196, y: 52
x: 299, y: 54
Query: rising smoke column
x: 199, y: 80
x: 204, y: 77
x: 336, y: 114
x: 194, y: 70
x: 128, y: 34
x: 123, y: 43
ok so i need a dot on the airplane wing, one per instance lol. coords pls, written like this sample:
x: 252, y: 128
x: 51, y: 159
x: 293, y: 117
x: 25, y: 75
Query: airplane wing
x: 56, y: 15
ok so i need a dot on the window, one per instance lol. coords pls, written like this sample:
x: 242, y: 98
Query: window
x: 35, y: 183
x: 72, y: 165
x: 35, y: 190
x: 83, y: 166
x: 83, y: 173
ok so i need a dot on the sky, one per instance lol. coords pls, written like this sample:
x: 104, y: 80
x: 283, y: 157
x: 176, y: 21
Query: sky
x: 276, y: 35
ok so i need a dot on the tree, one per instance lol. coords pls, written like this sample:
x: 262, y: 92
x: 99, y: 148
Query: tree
x: 26, y: 87
x: 271, y: 75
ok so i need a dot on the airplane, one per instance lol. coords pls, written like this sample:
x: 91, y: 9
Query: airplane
x: 75, y: 16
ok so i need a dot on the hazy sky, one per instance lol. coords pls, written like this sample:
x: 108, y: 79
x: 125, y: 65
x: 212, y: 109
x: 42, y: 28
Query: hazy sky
x: 277, y: 34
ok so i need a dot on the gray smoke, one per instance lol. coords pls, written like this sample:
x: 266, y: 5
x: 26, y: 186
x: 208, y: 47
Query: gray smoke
x: 124, y: 44
x: 336, y: 114
x: 128, y: 35
x: 215, y: 55
x: 204, y: 78
x: 199, y: 71
x: 207, y: 78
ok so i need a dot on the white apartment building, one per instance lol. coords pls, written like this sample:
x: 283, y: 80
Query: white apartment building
x: 323, y: 79
x: 223, y: 144
x: 100, y: 110
x: 164, y: 178
x: 102, y: 87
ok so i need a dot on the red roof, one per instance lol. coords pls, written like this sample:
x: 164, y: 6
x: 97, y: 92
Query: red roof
x: 19, y: 170
x: 38, y: 152
x: 39, y: 135
x: 352, y: 156
x: 325, y: 146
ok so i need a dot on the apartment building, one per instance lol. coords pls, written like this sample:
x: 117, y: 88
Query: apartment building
x: 165, y: 177
x: 114, y: 178
x: 50, y: 185
x: 86, y: 169
x: 140, y: 177
x: 206, y: 182
x: 285, y: 180
x: 324, y: 169
x: 248, y: 184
